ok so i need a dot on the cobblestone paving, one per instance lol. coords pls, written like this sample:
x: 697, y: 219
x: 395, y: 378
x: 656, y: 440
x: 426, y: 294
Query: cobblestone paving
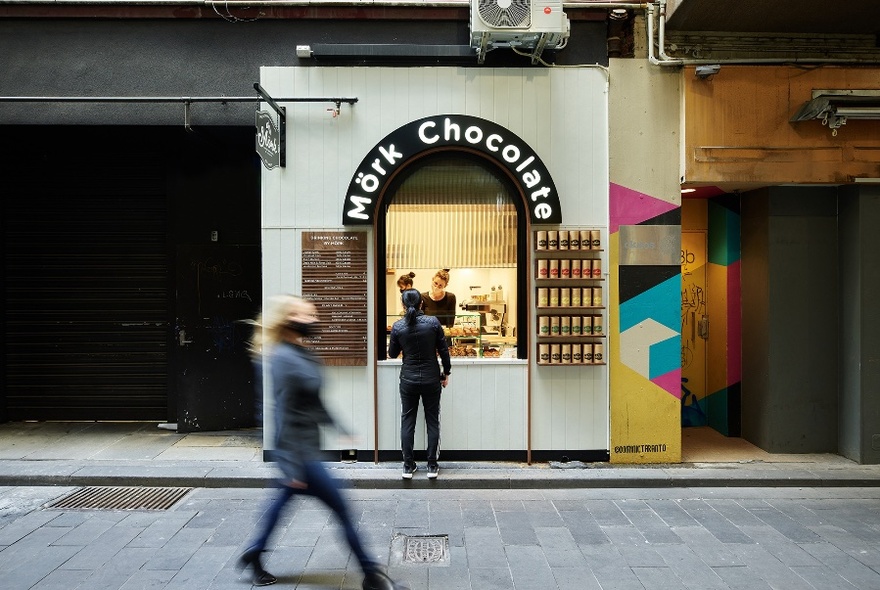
x: 573, y: 539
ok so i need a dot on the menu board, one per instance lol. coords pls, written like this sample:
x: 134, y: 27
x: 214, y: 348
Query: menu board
x: 334, y: 278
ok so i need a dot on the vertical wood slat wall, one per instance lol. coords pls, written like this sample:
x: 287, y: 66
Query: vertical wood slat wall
x: 561, y: 113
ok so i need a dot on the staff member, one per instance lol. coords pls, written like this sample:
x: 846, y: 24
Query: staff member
x: 420, y: 338
x: 438, y: 301
x: 405, y: 281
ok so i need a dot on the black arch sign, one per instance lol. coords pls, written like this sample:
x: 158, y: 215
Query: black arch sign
x: 496, y: 142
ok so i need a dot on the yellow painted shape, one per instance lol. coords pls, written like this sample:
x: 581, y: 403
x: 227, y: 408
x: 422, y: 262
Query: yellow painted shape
x: 645, y: 421
x: 716, y: 369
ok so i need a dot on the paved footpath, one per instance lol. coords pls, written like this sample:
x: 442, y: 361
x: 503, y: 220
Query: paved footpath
x: 739, y: 538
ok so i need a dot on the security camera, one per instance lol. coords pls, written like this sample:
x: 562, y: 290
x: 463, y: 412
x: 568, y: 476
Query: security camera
x: 704, y: 72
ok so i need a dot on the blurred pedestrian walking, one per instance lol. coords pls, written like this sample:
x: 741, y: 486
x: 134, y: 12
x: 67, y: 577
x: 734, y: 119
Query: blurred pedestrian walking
x: 297, y: 378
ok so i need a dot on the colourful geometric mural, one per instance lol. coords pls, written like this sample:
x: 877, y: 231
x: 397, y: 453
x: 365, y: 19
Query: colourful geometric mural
x: 649, y: 336
x: 629, y: 207
x: 644, y: 339
x: 725, y: 358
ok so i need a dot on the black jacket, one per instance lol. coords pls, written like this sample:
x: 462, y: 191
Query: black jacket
x: 420, y: 344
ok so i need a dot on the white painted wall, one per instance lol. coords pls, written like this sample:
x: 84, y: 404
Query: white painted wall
x: 562, y: 113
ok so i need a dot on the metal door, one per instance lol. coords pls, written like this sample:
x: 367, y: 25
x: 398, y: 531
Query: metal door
x: 218, y: 291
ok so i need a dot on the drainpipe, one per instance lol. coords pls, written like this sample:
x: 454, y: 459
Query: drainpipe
x: 664, y: 60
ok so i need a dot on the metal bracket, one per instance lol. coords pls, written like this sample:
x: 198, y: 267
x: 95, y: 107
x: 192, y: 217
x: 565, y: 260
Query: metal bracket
x: 188, y: 101
x: 282, y: 122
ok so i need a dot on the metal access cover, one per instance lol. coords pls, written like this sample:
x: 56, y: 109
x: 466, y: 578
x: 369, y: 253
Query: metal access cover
x: 120, y: 498
x: 421, y: 549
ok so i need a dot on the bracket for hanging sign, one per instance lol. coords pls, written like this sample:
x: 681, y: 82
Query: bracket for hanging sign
x: 282, y: 126
x: 188, y: 102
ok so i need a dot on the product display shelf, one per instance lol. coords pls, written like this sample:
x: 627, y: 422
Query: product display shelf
x: 541, y: 254
x: 564, y: 349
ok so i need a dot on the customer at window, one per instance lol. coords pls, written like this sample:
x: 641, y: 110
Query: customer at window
x: 438, y: 301
x: 420, y: 338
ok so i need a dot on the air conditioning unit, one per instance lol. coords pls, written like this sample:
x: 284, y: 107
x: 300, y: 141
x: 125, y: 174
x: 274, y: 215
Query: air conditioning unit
x: 530, y: 25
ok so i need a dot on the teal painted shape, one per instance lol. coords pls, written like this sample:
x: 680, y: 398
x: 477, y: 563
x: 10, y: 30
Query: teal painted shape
x: 664, y: 357
x: 724, y: 235
x: 661, y: 303
x: 716, y: 405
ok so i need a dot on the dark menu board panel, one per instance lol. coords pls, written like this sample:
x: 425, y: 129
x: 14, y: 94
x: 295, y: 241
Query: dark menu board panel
x: 334, y: 278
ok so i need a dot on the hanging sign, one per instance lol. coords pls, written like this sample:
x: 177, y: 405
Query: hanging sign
x: 268, y: 140
x: 496, y: 143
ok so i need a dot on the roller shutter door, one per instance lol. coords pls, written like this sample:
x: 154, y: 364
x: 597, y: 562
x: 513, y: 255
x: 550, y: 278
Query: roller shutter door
x: 86, y: 281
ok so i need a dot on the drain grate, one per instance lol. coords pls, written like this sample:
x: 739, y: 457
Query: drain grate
x: 432, y: 549
x: 120, y: 498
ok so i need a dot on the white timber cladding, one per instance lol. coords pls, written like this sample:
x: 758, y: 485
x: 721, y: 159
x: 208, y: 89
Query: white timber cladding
x: 562, y: 114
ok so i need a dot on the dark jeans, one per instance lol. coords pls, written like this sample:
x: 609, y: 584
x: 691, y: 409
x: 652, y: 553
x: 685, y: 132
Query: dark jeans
x: 409, y: 400
x: 325, y: 488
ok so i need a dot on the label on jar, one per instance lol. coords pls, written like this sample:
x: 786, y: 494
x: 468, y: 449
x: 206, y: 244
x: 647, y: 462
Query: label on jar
x: 543, y: 270
x: 587, y: 356
x: 541, y: 240
x: 544, y: 353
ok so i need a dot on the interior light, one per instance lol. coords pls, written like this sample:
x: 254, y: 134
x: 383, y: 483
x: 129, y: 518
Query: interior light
x: 688, y: 190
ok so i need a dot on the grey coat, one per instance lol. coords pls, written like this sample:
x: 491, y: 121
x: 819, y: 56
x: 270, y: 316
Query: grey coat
x: 299, y: 412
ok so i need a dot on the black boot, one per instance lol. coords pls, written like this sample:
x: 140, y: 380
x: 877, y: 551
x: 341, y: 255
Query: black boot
x: 378, y: 580
x: 251, y: 557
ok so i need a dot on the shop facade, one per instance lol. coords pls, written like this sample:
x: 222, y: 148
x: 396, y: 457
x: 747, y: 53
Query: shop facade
x: 383, y: 160
x: 612, y: 142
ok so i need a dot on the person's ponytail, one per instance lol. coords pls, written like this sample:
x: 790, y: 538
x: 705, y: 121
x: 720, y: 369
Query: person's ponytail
x: 412, y: 301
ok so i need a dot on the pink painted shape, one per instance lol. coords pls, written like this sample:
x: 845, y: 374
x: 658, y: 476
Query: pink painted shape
x: 629, y: 207
x: 734, y: 324
x: 670, y: 382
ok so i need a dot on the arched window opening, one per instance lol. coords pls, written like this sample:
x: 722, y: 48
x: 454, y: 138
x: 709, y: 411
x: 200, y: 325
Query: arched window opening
x: 455, y: 211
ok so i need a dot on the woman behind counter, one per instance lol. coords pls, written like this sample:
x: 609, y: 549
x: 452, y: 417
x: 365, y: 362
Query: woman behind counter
x: 405, y: 281
x: 439, y: 302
